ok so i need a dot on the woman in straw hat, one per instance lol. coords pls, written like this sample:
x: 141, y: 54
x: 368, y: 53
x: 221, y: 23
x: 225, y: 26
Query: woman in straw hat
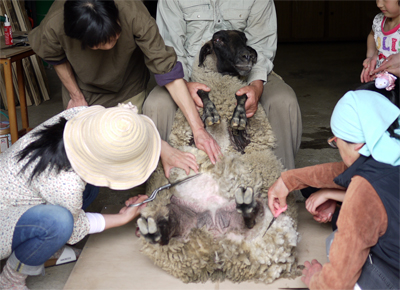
x: 366, y: 246
x: 103, y: 52
x: 43, y: 176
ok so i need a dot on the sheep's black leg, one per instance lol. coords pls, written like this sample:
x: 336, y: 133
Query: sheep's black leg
x: 159, y: 230
x: 239, y: 119
x: 150, y: 230
x: 210, y: 114
x: 247, y: 205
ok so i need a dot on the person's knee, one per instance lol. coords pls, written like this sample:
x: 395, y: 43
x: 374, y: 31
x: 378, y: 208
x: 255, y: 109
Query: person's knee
x: 62, y: 221
x: 159, y: 101
x: 284, y: 97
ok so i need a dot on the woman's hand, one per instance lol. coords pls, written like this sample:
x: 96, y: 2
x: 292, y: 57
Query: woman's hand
x: 172, y: 157
x: 130, y: 213
x: 126, y: 214
x: 391, y: 65
x: 277, y: 194
x: 204, y: 141
x: 309, y: 271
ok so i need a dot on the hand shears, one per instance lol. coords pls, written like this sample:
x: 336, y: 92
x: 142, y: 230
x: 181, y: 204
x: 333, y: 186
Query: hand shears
x: 169, y: 185
x: 277, y: 213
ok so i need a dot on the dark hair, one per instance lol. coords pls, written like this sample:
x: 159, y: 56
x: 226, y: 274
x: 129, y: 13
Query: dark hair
x: 48, y: 148
x: 93, y: 22
x: 392, y: 95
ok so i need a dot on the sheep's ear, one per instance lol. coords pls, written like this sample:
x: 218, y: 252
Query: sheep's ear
x: 204, y: 51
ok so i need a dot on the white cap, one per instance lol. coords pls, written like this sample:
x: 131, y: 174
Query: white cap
x: 6, y: 22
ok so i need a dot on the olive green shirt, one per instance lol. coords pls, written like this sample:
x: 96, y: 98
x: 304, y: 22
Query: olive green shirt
x: 107, y: 77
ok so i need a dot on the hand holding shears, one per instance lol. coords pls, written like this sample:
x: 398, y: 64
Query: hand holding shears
x: 277, y: 194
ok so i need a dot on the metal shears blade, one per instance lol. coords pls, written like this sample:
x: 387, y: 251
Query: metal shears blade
x: 270, y: 224
x: 169, y: 185
x: 277, y: 213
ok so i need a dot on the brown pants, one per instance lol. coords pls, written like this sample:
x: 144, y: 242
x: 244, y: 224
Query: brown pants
x: 278, y: 100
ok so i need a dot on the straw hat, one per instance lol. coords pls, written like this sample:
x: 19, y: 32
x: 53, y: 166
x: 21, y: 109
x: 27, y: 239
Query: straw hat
x: 114, y: 147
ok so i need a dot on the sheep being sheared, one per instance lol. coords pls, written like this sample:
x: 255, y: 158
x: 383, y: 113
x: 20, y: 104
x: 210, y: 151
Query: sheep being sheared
x: 215, y: 226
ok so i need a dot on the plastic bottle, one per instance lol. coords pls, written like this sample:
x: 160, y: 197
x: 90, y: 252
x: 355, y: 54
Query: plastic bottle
x: 8, y: 32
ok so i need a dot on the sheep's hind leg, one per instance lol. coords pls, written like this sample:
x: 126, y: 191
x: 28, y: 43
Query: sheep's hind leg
x: 159, y: 229
x: 239, y: 119
x: 210, y: 113
x: 247, y: 205
x: 154, y: 232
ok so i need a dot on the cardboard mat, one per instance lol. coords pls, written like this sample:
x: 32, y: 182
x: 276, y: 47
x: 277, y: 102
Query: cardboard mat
x: 112, y: 260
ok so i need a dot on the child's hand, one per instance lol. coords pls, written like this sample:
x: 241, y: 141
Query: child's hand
x: 325, y: 211
x: 315, y: 200
x: 368, y: 66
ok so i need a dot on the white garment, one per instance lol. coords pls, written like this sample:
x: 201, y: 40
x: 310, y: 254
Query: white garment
x: 17, y: 195
x: 96, y: 221
x: 387, y: 42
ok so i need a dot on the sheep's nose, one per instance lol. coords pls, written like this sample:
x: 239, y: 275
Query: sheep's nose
x: 246, y: 56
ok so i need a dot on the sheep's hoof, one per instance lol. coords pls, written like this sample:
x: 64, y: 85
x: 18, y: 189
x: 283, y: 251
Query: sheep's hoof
x: 238, y: 123
x: 212, y: 119
x: 246, y: 205
x: 245, y: 202
x: 149, y: 230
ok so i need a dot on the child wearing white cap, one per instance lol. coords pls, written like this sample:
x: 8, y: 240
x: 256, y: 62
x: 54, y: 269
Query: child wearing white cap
x: 43, y: 176
x: 365, y: 251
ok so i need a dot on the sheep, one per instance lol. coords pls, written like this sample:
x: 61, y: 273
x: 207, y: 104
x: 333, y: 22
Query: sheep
x: 214, y: 227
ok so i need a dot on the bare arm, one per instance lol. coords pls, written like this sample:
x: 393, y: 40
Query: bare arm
x: 321, y: 196
x: 392, y: 65
x: 371, y: 46
x: 126, y: 214
x: 320, y: 176
x: 204, y: 141
x: 370, y: 62
x: 66, y: 75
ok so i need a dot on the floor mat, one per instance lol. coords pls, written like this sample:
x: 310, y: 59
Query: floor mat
x: 112, y: 260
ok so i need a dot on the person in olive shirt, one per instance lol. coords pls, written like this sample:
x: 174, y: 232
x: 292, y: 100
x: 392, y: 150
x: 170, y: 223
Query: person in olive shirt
x: 103, y: 51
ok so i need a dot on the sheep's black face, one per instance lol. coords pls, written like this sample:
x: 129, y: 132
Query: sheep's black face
x: 234, y: 57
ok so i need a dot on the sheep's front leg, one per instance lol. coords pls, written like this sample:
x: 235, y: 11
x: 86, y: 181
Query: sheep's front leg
x: 239, y: 119
x: 247, y: 205
x: 210, y: 114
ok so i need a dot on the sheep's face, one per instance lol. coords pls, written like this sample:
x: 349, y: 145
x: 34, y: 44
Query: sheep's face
x: 234, y: 57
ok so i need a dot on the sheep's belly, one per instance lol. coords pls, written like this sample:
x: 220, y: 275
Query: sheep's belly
x: 211, y: 210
